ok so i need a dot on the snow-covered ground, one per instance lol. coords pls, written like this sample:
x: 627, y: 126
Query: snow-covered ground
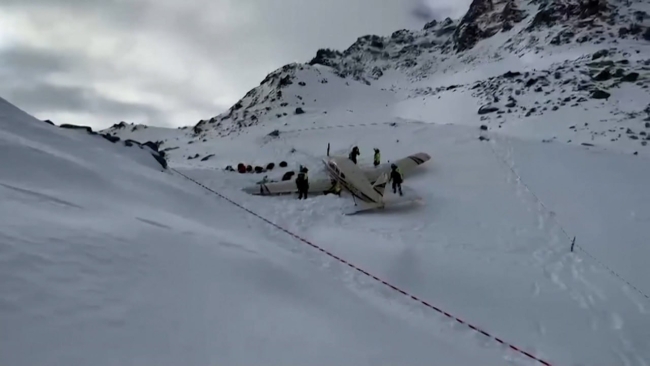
x: 492, y: 241
x: 109, y: 250
x: 107, y: 259
x: 482, y: 246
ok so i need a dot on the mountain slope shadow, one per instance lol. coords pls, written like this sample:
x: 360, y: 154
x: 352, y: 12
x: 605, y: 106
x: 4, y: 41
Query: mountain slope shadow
x: 40, y: 196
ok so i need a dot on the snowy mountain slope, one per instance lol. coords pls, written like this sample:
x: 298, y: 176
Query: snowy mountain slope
x: 481, y: 246
x: 488, y: 29
x: 491, y: 243
x: 106, y: 260
x: 552, y: 60
x: 574, y: 101
x: 560, y: 91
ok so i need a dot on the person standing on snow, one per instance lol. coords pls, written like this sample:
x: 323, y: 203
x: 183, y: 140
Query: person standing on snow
x: 377, y: 158
x: 302, y: 183
x: 354, y: 153
x: 397, y: 178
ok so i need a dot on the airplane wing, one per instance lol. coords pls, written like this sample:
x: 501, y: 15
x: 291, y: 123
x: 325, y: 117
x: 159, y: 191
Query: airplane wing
x: 406, y: 165
x: 317, y: 186
x: 409, y: 163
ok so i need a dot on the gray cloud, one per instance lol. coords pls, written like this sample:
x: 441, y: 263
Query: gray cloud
x: 173, y: 62
x: 43, y: 97
x: 440, y: 9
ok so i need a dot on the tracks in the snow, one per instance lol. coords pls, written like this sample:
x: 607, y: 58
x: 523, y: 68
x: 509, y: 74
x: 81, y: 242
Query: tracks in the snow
x: 565, y: 270
x: 373, y: 277
x: 547, y: 220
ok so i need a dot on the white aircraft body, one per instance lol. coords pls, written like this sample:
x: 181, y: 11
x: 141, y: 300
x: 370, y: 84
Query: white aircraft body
x: 367, y: 183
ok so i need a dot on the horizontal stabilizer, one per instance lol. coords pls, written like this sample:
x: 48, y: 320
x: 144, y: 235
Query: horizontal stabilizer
x: 361, y: 207
x: 380, y: 184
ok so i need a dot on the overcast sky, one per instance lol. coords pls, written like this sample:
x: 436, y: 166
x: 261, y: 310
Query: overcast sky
x: 174, y: 62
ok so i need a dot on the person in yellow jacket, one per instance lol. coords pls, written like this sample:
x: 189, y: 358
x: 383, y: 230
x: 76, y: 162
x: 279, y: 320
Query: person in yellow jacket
x: 336, y: 188
x: 377, y: 159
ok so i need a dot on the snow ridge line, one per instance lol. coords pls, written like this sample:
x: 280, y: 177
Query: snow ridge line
x: 352, y: 126
x: 358, y: 269
x: 569, y: 238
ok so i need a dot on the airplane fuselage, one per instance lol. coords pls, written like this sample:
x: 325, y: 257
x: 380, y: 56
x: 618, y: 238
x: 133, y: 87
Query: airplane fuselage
x: 354, y: 182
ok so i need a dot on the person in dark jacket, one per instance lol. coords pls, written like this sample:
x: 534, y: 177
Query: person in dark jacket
x: 302, y: 183
x: 377, y: 157
x: 354, y: 153
x: 397, y: 178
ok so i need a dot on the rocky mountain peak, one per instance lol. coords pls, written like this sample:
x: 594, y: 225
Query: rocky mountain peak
x: 484, y: 19
x: 526, y: 25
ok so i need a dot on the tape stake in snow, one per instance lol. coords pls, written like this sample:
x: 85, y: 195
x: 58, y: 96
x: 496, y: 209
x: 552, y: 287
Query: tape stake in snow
x: 573, y: 242
x: 358, y: 269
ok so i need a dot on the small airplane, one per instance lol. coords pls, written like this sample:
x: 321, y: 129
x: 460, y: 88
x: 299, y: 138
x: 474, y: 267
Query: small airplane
x: 367, y: 184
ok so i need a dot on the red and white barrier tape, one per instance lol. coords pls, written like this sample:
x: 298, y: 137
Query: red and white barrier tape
x: 356, y: 268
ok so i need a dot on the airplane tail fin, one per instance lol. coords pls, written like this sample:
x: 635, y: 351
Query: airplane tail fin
x: 380, y: 184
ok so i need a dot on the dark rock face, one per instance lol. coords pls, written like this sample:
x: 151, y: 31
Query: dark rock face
x: 285, y: 81
x: 120, y: 125
x: 111, y: 138
x: 511, y: 74
x: 468, y: 32
x: 511, y: 14
x: 270, y: 166
x: 160, y: 158
x: 599, y: 54
x: 603, y: 75
x: 600, y: 94
x: 646, y: 34
x: 283, y: 164
x: 531, y: 111
x: 431, y: 24
x: 299, y: 111
x: 158, y: 155
x: 206, y: 158
x: 631, y: 77
x: 326, y: 57
x: 554, y: 11
x: 377, y: 73
x: 152, y: 145
x: 547, y: 16
x: 487, y: 109
x: 467, y: 36
x: 75, y: 127
x: 476, y: 9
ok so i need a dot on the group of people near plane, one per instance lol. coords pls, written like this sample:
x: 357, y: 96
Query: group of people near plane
x: 396, y: 177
